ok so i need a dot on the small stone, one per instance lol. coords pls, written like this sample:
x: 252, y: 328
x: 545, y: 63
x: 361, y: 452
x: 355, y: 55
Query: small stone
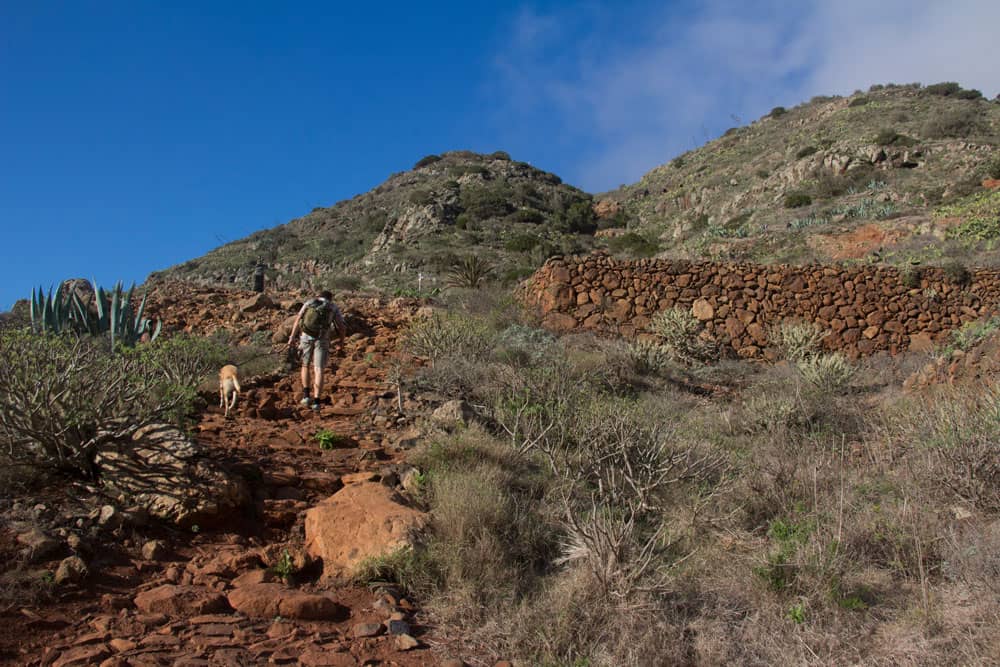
x: 71, y: 570
x: 122, y: 645
x: 367, y: 629
x: 405, y: 642
x: 399, y: 627
x: 154, y: 550
x: 40, y: 544
x: 109, y: 517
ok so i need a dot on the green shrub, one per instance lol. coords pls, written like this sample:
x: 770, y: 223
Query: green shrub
x: 797, y: 200
x: 980, y: 214
x: 992, y: 169
x: 777, y: 112
x: 499, y: 155
x: 678, y: 329
x: 633, y: 244
x: 469, y: 273
x: 427, y: 160
x: 953, y: 124
x: 859, y: 101
x: 577, y: 218
x: 890, y: 137
x: 911, y: 276
x: 522, y: 242
x: 528, y: 215
x: 481, y: 203
x: 806, y: 151
x: 943, y: 89
x: 421, y: 197
x: 452, y: 334
x: 956, y: 272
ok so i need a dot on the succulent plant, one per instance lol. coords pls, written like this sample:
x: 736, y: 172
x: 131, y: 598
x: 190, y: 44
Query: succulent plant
x: 63, y: 310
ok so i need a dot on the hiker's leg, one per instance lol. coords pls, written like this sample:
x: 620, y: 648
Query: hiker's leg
x: 320, y: 356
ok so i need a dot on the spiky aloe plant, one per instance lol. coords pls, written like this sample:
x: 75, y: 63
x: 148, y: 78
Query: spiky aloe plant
x: 470, y: 273
x: 114, y: 314
x: 55, y: 312
x: 58, y: 312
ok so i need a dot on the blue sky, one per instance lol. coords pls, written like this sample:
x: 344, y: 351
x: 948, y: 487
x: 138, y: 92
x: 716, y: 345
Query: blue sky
x: 137, y: 135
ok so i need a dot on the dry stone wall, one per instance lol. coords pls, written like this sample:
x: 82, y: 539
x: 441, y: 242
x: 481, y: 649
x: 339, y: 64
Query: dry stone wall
x: 863, y: 309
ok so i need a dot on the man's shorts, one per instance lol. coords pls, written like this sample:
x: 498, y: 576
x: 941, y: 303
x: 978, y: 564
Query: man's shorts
x: 314, y: 350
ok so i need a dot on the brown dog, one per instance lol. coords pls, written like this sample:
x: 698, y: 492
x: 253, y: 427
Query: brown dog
x: 229, y: 387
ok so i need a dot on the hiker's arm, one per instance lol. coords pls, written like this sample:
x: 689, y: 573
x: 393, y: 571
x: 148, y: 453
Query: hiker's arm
x: 295, y: 326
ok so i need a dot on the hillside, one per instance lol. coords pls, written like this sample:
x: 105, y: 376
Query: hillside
x: 420, y: 221
x: 893, y: 175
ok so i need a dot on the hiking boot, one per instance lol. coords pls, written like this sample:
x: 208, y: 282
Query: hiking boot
x: 315, y: 404
x: 306, y: 401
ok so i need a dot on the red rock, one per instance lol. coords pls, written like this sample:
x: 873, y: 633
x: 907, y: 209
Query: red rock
x: 362, y: 521
x: 181, y: 601
x: 270, y: 600
x: 82, y: 655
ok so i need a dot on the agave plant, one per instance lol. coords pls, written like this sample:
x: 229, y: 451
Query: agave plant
x: 55, y: 312
x: 64, y: 311
x: 470, y: 273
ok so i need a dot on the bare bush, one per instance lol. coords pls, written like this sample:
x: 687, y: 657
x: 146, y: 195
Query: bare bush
x: 62, y: 396
x: 830, y: 373
x: 451, y: 334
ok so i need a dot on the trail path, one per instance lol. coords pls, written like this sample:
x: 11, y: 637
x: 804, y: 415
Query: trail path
x: 176, y: 607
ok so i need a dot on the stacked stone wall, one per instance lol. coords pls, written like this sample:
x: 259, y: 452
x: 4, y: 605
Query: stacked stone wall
x: 862, y: 309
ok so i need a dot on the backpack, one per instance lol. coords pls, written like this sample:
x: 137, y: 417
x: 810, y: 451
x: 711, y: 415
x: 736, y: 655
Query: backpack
x: 317, y: 318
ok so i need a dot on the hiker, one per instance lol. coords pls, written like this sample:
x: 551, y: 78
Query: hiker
x: 316, y: 317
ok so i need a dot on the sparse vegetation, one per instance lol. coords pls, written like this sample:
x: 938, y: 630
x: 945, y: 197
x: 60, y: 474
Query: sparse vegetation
x: 797, y: 200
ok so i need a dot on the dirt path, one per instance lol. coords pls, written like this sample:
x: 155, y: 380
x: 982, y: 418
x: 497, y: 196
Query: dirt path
x: 170, y: 603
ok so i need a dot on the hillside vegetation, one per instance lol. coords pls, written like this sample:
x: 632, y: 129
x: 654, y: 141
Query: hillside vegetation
x: 424, y: 221
x: 879, y: 175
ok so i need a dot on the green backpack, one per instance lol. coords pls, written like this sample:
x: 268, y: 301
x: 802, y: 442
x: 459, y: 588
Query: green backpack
x: 317, y: 318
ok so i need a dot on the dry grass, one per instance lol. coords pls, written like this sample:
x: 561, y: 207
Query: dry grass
x: 818, y: 526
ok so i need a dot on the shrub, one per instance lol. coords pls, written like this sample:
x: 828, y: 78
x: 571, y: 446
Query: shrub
x: 992, y: 169
x: 522, y: 242
x: 972, y: 333
x: 953, y: 124
x: 61, y: 397
x: 528, y: 215
x: 806, y: 151
x: 797, y: 340
x: 577, y: 218
x: 469, y: 273
x: 678, y: 329
x: 777, y: 112
x: 427, y: 160
x: 956, y: 272
x: 499, y: 155
x: 647, y: 357
x: 943, y: 89
x: 859, y: 101
x: 890, y: 137
x: 633, y: 244
x: 797, y: 200
x: 911, y: 276
x: 481, y: 203
x: 447, y: 335
x: 421, y: 197
x: 830, y: 373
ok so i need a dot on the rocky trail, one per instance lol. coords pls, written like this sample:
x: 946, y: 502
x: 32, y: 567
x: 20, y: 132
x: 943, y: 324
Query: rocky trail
x: 265, y: 584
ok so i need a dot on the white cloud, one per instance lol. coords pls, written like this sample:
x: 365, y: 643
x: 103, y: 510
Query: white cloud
x: 671, y: 80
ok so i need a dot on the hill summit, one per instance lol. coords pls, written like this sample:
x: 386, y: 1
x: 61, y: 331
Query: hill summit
x: 416, y: 224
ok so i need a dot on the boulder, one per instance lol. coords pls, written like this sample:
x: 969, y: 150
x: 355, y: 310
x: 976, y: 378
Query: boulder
x: 364, y: 520
x: 163, y: 471
x: 702, y: 310
x: 254, y: 303
x: 454, y: 413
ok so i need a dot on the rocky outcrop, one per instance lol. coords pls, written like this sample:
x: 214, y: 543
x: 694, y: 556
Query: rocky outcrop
x: 364, y: 520
x: 861, y: 309
x: 165, y: 472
